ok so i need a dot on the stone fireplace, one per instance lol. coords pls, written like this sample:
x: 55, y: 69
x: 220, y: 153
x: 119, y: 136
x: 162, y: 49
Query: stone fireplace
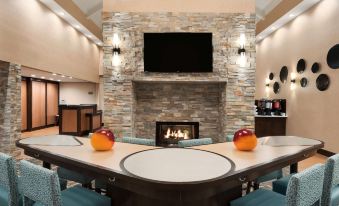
x: 169, y: 133
x: 220, y: 101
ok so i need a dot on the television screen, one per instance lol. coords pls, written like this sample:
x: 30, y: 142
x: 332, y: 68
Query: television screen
x: 178, y: 52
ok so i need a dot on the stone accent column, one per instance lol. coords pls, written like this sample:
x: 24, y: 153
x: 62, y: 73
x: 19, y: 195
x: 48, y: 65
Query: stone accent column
x: 10, y: 107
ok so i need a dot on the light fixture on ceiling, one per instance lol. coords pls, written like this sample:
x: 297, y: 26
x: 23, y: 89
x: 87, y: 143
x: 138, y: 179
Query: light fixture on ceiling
x: 33, y: 75
x: 54, y: 74
x: 63, y: 76
x: 58, y: 10
x: 51, y: 79
x: 70, y: 77
x: 289, y: 16
x: 59, y: 80
x: 42, y: 77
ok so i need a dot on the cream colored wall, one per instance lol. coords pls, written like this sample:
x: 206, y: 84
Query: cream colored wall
x: 32, y: 35
x: 311, y: 113
x: 77, y: 93
x: 232, y: 6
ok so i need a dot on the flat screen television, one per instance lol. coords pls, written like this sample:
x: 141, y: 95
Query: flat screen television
x: 178, y: 52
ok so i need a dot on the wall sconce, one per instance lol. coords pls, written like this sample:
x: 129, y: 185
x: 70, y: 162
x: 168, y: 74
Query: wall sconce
x: 116, y: 44
x: 241, y: 51
x: 293, y: 81
x: 267, y: 84
x: 116, y: 50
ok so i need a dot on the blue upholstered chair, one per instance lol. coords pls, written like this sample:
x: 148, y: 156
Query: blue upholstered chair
x: 9, y: 194
x: 331, y: 182
x: 40, y: 186
x: 304, y: 189
x: 66, y: 174
x: 141, y: 141
x: 195, y: 142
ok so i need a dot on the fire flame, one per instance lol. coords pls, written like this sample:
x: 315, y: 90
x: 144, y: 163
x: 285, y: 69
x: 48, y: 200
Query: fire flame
x: 176, y: 134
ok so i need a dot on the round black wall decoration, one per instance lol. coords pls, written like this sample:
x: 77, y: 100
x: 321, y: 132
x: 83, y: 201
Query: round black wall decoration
x: 301, y: 66
x: 323, y: 82
x: 315, y: 67
x: 333, y: 57
x: 276, y: 87
x: 303, y: 82
x: 283, y: 74
x: 271, y: 76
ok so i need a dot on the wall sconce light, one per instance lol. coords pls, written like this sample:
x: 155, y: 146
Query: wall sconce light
x: 267, y: 84
x: 242, y: 41
x: 116, y: 50
x: 293, y: 81
x: 116, y: 44
x: 241, y: 51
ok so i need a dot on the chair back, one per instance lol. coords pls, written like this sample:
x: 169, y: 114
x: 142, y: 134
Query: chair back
x: 8, y: 178
x: 141, y: 141
x: 331, y: 179
x: 195, y: 142
x: 39, y: 184
x: 305, y: 188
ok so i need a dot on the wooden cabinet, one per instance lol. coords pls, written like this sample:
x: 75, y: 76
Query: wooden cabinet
x: 270, y: 126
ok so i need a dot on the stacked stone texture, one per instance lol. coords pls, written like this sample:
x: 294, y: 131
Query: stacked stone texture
x: 126, y: 85
x: 10, y: 107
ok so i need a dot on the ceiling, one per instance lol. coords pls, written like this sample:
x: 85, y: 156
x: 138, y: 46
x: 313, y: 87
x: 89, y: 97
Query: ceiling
x: 92, y: 10
x: 263, y: 7
x: 39, y: 74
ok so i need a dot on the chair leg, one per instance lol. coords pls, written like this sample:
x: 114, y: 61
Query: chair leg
x: 87, y: 185
x: 249, y: 185
x: 255, y: 185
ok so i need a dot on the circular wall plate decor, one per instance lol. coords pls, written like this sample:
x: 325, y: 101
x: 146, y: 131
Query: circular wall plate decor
x: 333, y: 57
x: 315, y: 67
x: 301, y: 66
x: 283, y: 74
x: 323, y: 82
x: 271, y: 76
x: 276, y: 87
x: 303, y: 82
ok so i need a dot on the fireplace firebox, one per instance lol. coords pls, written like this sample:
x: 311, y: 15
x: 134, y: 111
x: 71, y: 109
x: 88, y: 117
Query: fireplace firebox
x: 169, y: 133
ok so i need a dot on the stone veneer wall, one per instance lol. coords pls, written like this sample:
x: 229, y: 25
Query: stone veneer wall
x: 10, y: 107
x: 178, y: 102
x: 121, y: 106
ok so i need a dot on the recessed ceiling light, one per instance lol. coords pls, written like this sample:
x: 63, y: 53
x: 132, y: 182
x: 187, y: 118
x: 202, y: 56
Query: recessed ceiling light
x: 59, y: 80
x: 292, y: 15
x: 43, y: 77
x: 273, y: 28
x: 54, y: 74
x: 63, y: 76
x: 32, y: 75
x: 260, y: 37
x: 77, y: 26
x: 61, y: 13
x: 51, y: 79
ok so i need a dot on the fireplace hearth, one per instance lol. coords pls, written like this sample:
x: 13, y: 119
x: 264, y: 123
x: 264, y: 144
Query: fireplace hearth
x: 169, y: 133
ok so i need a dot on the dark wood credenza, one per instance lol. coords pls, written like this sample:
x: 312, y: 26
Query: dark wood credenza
x: 270, y: 125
